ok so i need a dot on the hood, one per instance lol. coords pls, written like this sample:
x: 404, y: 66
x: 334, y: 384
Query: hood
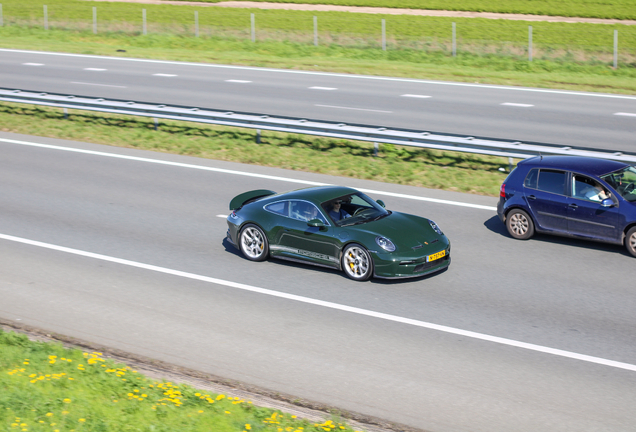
x: 404, y: 230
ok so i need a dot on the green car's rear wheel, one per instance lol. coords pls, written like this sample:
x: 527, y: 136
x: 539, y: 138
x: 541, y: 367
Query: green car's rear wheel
x: 357, y: 263
x: 253, y: 243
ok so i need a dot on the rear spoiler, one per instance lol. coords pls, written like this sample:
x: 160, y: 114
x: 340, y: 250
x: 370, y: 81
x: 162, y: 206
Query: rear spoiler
x: 242, y: 199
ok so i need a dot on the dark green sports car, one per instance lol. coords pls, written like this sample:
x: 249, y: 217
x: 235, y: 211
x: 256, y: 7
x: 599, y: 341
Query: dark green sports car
x: 337, y: 227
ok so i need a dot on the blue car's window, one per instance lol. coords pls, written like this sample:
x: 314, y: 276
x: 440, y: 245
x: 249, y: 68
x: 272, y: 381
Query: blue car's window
x: 624, y: 182
x: 588, y: 189
x: 531, y: 179
x: 551, y: 181
x: 281, y: 208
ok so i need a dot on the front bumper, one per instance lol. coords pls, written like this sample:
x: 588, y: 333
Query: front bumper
x: 389, y: 266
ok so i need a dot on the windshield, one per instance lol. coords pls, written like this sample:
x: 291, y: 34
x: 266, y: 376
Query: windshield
x: 624, y: 182
x: 354, y: 209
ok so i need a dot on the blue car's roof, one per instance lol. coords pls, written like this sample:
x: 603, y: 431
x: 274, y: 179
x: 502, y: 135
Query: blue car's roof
x: 580, y: 164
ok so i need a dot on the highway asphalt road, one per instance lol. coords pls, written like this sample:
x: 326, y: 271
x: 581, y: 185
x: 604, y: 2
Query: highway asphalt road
x: 125, y: 248
x: 591, y: 120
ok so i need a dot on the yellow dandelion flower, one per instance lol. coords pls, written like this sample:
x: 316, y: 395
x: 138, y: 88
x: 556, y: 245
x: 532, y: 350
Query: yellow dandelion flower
x: 200, y: 411
x: 227, y: 412
x: 67, y: 400
x: 64, y: 412
x: 219, y: 397
x: 248, y: 426
x: 82, y: 420
x: 49, y: 414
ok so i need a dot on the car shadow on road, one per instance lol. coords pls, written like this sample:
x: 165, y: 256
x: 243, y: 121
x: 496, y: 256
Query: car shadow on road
x: 496, y: 226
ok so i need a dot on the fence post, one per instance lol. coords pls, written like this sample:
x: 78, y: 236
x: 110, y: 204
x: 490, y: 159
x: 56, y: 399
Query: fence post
x: 529, y: 43
x: 143, y: 16
x: 253, y: 28
x: 315, y: 30
x: 615, y: 49
x: 94, y: 20
x: 196, y: 23
x: 1, y: 19
x: 454, y: 41
x: 46, y: 19
x: 383, y: 34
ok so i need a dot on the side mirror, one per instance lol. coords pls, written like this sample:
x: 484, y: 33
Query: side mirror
x: 315, y: 223
x: 607, y: 202
x: 381, y: 203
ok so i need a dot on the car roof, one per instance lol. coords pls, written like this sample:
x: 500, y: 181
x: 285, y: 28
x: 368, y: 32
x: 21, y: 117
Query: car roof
x: 318, y: 194
x: 581, y: 164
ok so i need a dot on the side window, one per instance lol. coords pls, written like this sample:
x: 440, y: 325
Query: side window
x: 281, y: 208
x: 305, y: 211
x: 588, y: 189
x: 531, y: 179
x: 551, y: 181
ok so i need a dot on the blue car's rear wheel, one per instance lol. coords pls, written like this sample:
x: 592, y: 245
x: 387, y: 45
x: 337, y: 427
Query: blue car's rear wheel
x: 253, y: 243
x: 630, y: 241
x: 357, y: 263
x: 519, y: 224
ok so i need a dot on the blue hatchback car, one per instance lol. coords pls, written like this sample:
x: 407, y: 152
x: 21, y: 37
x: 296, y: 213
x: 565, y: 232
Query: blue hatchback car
x: 573, y: 196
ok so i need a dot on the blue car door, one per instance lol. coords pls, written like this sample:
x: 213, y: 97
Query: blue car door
x: 587, y: 217
x: 545, y: 194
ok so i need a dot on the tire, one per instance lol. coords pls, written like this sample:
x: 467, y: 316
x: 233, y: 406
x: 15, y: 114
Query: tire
x: 357, y: 263
x: 519, y: 224
x: 630, y: 241
x: 253, y: 243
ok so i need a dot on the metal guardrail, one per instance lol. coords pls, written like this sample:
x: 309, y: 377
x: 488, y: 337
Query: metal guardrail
x: 375, y: 134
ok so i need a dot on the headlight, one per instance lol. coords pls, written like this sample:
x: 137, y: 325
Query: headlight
x: 385, y: 243
x: 435, y: 227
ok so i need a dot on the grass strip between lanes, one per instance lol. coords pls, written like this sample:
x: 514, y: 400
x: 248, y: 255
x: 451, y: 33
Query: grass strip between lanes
x: 454, y: 171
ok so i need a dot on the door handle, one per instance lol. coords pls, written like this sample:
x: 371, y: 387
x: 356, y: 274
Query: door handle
x: 532, y: 197
x: 574, y: 206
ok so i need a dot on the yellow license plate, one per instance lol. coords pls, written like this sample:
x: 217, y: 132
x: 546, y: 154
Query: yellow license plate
x: 435, y: 256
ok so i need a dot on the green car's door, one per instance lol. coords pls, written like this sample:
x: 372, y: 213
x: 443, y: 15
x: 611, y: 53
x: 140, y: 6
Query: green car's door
x: 299, y: 240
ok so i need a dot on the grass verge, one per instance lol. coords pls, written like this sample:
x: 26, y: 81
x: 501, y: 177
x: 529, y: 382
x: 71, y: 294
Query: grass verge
x: 47, y: 387
x: 454, y: 171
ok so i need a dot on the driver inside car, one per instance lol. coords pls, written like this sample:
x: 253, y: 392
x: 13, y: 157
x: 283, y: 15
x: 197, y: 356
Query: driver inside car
x: 336, y: 212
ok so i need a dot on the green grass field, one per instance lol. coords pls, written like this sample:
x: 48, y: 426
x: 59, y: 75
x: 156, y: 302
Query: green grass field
x: 618, y: 9
x: 46, y: 387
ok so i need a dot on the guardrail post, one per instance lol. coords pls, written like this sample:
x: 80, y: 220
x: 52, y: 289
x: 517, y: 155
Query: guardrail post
x: 529, y: 43
x: 258, y: 136
x: 1, y: 18
x: 615, y: 49
x: 156, y: 123
x: 46, y: 19
x: 383, y: 35
x: 143, y: 17
x: 376, y: 149
x: 252, y: 19
x: 94, y: 20
x: 196, y: 23
x: 65, y: 113
x: 454, y: 41
x: 509, y: 164
x: 315, y: 31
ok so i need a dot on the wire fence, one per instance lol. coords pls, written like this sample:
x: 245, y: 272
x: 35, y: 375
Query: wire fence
x: 611, y: 44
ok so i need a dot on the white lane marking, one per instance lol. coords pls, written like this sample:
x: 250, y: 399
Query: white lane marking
x: 238, y: 81
x: 241, y: 173
x: 416, y: 96
x: 330, y: 305
x: 100, y: 85
x: 221, y: 216
x: 164, y: 75
x: 323, y: 88
x: 33, y: 64
x: 350, y: 108
x: 95, y: 69
x: 517, y: 104
x: 287, y: 71
x: 625, y: 114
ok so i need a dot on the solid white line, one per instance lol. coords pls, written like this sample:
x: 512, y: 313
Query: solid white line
x: 517, y: 104
x: 241, y: 173
x: 238, y: 81
x: 416, y: 96
x: 349, y: 108
x: 101, y: 85
x: 625, y: 114
x: 330, y: 305
x: 33, y: 64
x: 323, y: 88
x: 94, y: 69
x: 164, y: 75
x: 288, y: 71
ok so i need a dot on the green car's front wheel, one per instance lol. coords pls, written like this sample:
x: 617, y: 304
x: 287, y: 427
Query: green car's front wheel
x: 357, y: 263
x: 253, y: 243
